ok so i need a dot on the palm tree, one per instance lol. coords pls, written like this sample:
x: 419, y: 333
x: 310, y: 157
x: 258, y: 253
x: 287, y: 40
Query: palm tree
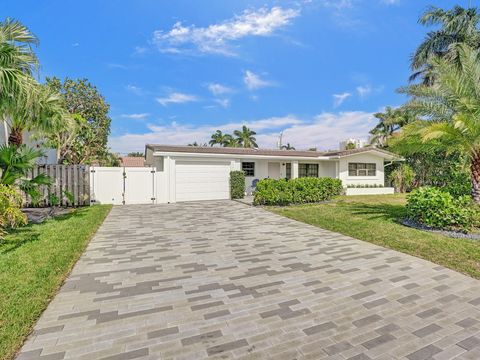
x: 287, y: 147
x: 458, y: 25
x: 220, y: 138
x: 17, y: 64
x: 450, y: 109
x: 245, y: 137
x: 47, y: 114
x: 390, y: 122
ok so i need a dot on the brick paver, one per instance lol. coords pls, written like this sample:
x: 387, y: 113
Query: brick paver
x: 224, y: 280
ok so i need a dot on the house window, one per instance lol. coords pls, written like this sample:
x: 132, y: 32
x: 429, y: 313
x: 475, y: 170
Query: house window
x: 288, y: 170
x: 248, y: 168
x: 307, y: 170
x: 362, y: 169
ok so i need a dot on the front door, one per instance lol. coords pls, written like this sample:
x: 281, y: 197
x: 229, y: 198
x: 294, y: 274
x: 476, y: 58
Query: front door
x: 274, y: 170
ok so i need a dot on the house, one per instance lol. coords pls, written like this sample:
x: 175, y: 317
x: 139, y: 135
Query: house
x: 132, y: 161
x: 202, y: 173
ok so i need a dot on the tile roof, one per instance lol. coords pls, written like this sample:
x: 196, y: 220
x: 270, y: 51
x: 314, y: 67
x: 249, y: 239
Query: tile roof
x: 132, y: 161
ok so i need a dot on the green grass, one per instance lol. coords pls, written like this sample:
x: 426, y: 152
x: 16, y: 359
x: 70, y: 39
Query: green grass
x: 34, y: 261
x: 375, y: 219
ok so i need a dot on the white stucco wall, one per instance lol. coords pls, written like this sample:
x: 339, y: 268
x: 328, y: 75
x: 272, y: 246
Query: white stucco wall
x: 379, y: 179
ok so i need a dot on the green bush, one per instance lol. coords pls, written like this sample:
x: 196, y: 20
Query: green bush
x: 237, y: 184
x: 402, y: 178
x: 11, y: 215
x: 296, y: 191
x: 439, y: 209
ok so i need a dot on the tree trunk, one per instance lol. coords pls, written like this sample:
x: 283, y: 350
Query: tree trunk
x: 16, y: 137
x: 475, y: 177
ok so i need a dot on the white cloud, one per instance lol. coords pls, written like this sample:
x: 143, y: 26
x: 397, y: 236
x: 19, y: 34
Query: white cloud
x: 134, y: 89
x: 390, y: 2
x: 338, y: 99
x: 135, y: 116
x: 219, y: 89
x: 253, y: 81
x: 76, y: 44
x: 364, y: 90
x: 217, y: 38
x: 324, y: 131
x: 225, y: 103
x: 176, y: 98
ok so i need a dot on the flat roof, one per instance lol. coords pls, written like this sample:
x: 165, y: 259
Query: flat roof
x: 264, y: 152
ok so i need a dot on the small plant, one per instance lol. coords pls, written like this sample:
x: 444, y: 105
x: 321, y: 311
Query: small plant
x: 402, y: 178
x: 53, y: 199
x: 237, y: 184
x: 11, y: 215
x: 296, y: 191
x: 439, y: 209
x: 69, y: 196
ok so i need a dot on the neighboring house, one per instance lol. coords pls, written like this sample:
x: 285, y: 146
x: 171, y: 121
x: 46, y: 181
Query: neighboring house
x: 202, y: 173
x: 132, y: 161
x: 50, y: 155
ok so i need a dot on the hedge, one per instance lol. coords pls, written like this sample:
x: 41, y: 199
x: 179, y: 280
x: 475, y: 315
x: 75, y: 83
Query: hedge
x: 439, y: 209
x: 237, y: 184
x: 296, y: 191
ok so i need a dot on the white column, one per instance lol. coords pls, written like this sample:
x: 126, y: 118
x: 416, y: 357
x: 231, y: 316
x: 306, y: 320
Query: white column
x: 294, y: 169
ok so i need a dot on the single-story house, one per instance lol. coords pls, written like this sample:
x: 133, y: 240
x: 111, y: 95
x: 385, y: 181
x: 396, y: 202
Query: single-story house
x: 202, y: 173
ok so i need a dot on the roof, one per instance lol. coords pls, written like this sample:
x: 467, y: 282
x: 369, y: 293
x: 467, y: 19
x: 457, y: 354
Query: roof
x: 132, y: 161
x: 264, y: 152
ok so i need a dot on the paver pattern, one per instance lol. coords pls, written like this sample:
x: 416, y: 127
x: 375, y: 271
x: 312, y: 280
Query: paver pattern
x: 223, y: 280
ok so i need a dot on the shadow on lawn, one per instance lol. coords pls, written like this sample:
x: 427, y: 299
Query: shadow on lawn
x: 389, y: 212
x: 30, y: 233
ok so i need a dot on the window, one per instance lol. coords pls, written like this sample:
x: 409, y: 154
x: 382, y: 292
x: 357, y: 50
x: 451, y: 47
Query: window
x: 288, y: 170
x: 307, y: 170
x: 248, y: 168
x: 362, y: 169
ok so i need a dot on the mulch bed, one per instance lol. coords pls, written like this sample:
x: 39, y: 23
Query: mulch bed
x: 449, y: 233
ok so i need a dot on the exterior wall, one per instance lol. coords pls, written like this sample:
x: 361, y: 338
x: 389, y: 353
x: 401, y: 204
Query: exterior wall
x: 379, y: 179
x: 261, y: 172
x: 327, y: 169
x: 370, y: 191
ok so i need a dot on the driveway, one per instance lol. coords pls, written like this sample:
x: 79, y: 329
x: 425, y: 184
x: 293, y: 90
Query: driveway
x: 224, y: 280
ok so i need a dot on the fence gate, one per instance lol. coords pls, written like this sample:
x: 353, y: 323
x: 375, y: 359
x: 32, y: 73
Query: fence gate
x: 118, y: 185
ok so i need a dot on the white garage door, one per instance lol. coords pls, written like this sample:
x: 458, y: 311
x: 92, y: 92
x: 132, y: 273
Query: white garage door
x: 202, y: 180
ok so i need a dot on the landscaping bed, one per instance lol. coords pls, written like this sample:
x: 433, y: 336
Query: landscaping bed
x: 34, y: 261
x: 377, y: 219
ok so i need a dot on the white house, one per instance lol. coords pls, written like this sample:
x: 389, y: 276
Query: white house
x: 202, y: 173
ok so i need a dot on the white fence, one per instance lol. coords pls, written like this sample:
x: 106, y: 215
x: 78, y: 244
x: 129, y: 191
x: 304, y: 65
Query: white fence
x: 118, y: 185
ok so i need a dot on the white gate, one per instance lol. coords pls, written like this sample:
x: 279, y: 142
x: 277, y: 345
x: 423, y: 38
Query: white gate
x: 118, y: 185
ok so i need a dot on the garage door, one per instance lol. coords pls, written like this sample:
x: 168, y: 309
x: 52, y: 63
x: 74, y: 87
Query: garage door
x: 206, y: 180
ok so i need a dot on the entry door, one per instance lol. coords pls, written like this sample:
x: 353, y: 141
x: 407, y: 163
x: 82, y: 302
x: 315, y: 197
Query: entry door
x: 274, y: 170
x: 202, y: 180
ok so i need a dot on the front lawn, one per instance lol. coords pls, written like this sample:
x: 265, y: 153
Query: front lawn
x: 34, y: 261
x: 374, y: 219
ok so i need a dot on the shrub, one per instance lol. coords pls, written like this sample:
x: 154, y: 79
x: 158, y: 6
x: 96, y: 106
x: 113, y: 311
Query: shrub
x: 439, y: 209
x: 237, y: 184
x: 402, y: 178
x: 11, y: 215
x: 296, y: 191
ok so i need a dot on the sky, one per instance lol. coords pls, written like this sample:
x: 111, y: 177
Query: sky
x: 174, y: 72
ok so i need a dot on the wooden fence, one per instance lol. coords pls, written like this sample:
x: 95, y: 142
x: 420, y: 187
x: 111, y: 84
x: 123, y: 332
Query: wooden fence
x: 70, y: 185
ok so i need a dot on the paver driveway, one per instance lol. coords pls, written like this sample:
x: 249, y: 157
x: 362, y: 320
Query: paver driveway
x: 225, y: 280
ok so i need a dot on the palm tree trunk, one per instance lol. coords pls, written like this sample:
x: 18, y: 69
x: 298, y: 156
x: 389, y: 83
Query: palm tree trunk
x: 475, y: 176
x: 16, y: 137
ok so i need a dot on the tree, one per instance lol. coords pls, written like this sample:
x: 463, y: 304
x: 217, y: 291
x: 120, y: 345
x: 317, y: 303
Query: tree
x: 287, y: 147
x: 245, y: 137
x: 390, y: 122
x: 350, y: 146
x: 402, y: 178
x: 458, y: 25
x: 219, y: 138
x: 17, y: 64
x: 450, y: 109
x: 84, y: 99
x: 46, y: 116
x: 196, y: 144
x: 136, y: 154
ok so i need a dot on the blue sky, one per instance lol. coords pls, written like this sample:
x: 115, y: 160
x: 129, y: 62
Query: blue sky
x: 175, y: 71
